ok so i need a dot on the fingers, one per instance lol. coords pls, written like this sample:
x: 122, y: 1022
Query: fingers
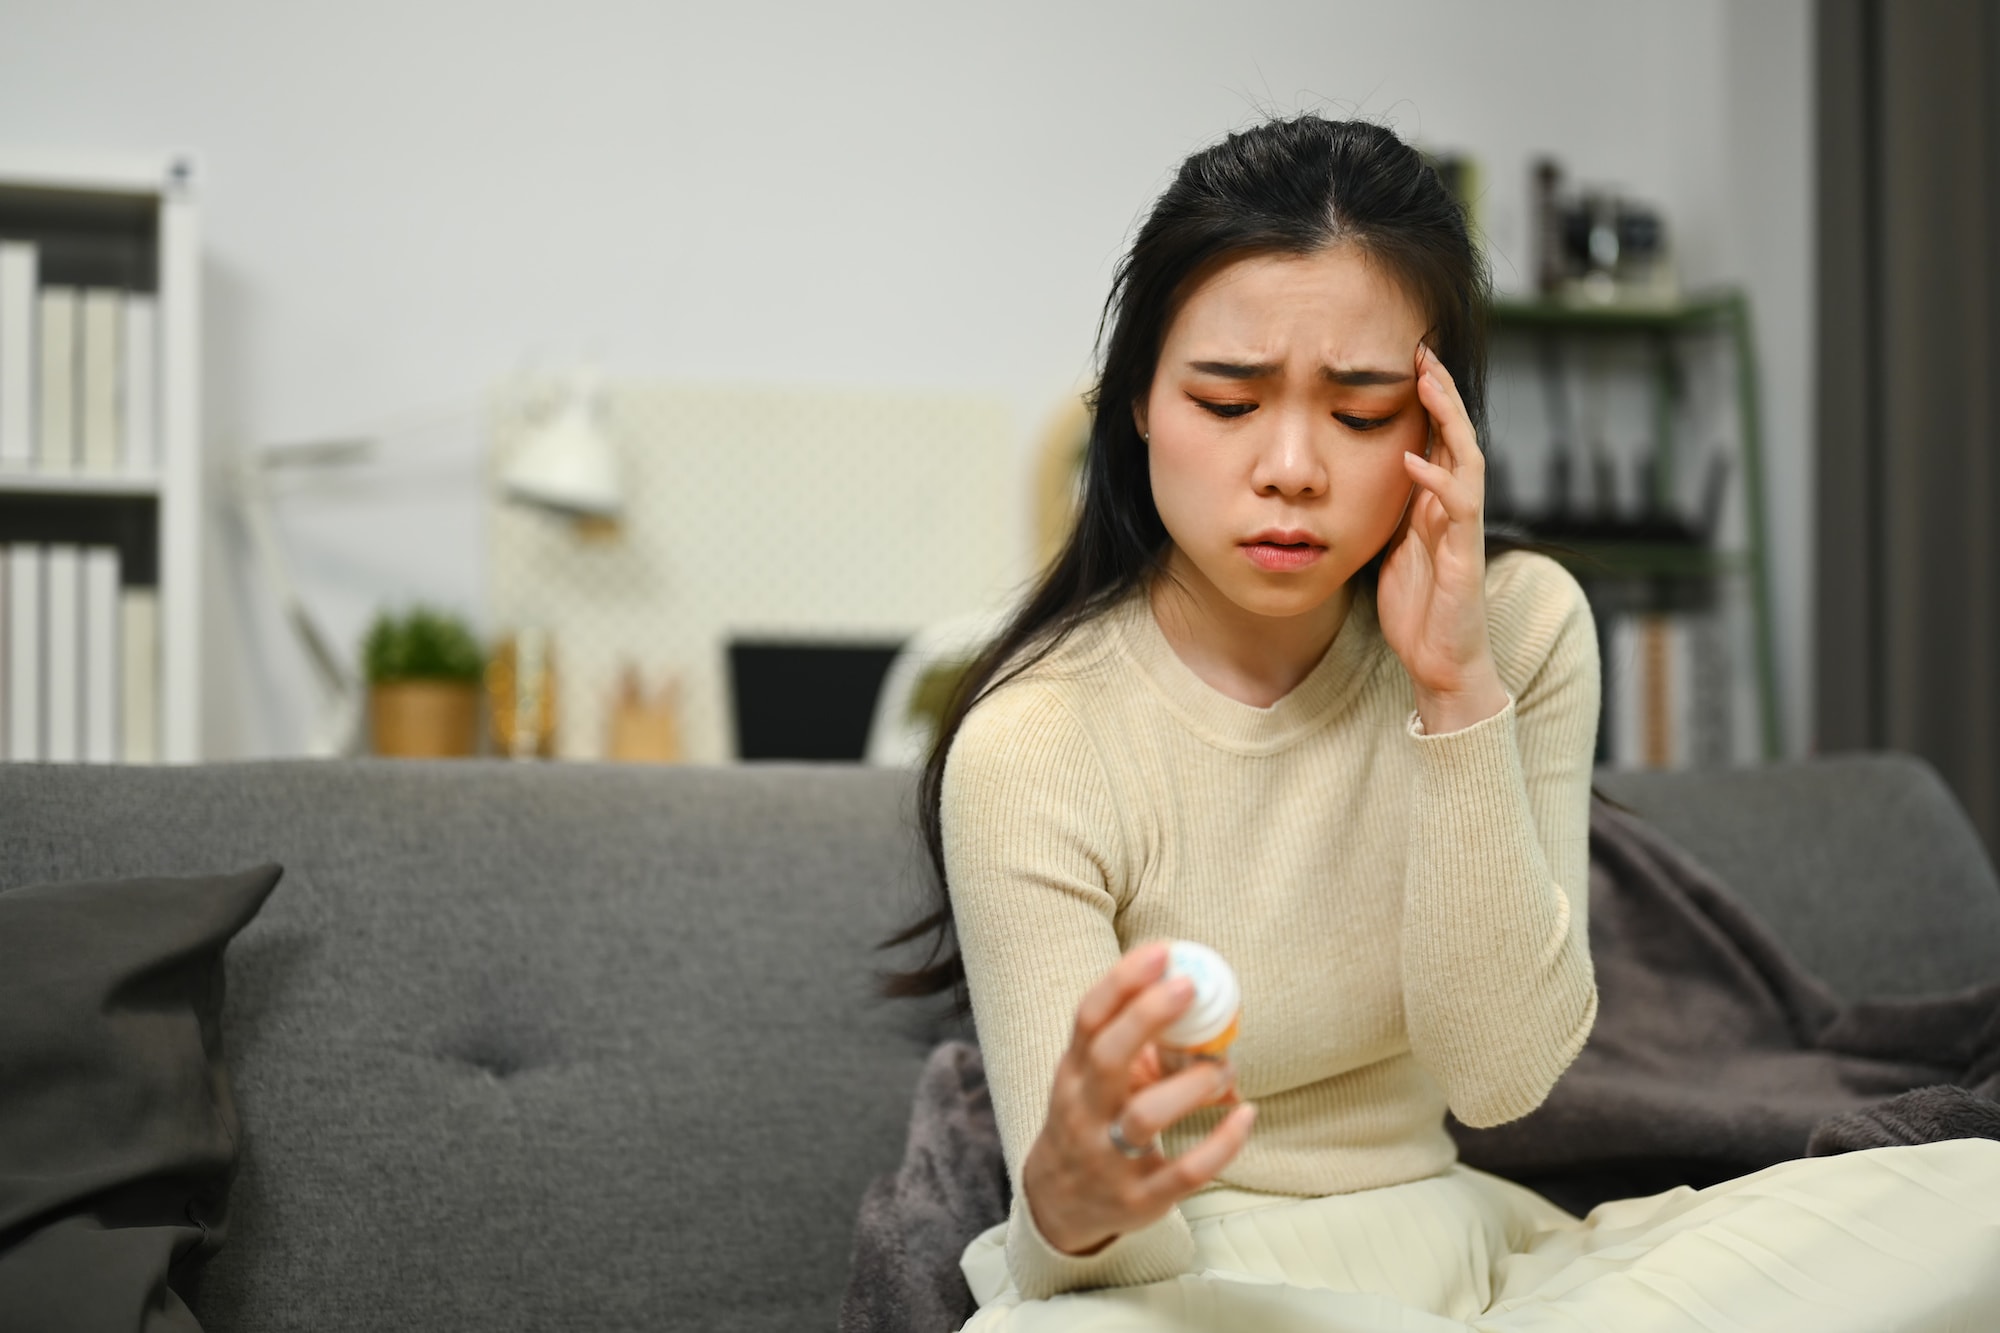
x: 1117, y: 1045
x: 1183, y: 1175
x: 1115, y: 1020
x: 1146, y: 1068
x: 1139, y: 968
x: 1462, y: 499
x: 1454, y: 431
x: 1456, y: 470
x: 1154, y: 1108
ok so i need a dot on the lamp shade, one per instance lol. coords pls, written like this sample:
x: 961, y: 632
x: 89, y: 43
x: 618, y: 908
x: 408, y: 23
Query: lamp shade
x: 568, y: 466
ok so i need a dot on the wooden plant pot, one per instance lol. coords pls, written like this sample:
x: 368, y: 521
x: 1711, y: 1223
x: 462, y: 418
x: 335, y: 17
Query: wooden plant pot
x: 424, y: 719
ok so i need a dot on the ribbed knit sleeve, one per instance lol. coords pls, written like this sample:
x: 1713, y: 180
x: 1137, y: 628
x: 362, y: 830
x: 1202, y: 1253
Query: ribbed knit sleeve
x: 1035, y: 864
x: 1498, y: 990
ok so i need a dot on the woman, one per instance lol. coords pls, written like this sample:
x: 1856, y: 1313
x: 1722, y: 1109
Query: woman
x: 1281, y: 693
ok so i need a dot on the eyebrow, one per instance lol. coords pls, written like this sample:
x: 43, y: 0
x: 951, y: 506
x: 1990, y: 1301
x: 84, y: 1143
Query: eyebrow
x: 1349, y: 379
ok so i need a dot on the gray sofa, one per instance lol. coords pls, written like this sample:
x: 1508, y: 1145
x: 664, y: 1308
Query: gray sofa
x: 593, y: 1047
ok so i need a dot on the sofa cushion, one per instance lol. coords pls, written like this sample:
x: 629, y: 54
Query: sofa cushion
x: 533, y: 1046
x: 117, y: 1130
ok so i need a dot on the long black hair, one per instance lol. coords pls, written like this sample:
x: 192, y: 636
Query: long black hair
x: 1286, y: 187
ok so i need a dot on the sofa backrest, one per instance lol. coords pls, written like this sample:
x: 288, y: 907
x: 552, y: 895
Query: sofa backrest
x: 532, y: 1047
x: 583, y: 1046
x: 1865, y: 865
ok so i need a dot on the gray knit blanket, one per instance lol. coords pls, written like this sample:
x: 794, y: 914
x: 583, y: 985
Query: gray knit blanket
x: 952, y: 1185
x: 1714, y: 1054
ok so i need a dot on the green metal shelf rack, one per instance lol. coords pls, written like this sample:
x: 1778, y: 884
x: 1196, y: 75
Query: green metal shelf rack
x: 1725, y: 313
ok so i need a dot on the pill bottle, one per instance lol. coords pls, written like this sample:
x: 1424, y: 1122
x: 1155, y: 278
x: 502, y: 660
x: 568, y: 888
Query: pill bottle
x: 1205, y: 1030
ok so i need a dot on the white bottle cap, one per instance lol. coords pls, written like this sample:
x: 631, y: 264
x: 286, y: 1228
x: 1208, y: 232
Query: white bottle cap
x: 1217, y: 996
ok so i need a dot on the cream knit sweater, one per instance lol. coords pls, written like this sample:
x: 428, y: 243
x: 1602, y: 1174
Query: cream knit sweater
x: 1406, y: 912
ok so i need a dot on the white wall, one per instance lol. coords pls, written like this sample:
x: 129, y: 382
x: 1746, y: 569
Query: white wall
x: 403, y: 203
x: 1768, y: 92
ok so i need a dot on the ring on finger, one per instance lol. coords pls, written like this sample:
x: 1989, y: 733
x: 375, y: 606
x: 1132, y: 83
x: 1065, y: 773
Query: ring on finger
x: 1127, y: 1148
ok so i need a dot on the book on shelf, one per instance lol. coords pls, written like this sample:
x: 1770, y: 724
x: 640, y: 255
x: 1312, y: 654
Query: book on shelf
x: 62, y: 653
x: 17, y: 354
x: 56, y: 351
x: 6, y: 703
x: 79, y: 657
x: 101, y: 311
x: 139, y: 674
x: 1668, y: 691
x: 140, y: 362
x: 79, y: 373
x: 102, y: 659
x: 23, y: 663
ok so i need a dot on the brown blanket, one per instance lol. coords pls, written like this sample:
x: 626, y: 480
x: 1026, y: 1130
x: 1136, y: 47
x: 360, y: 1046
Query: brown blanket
x: 1714, y: 1054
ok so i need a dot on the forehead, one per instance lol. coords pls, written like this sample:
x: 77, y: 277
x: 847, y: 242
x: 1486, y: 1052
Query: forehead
x: 1334, y: 304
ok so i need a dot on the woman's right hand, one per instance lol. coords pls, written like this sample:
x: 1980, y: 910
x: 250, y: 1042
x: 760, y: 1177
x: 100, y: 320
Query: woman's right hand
x: 1084, y: 1192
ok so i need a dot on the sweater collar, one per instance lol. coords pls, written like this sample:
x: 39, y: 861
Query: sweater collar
x: 1231, y: 723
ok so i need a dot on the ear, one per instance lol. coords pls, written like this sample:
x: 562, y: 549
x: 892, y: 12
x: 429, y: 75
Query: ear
x: 1139, y: 417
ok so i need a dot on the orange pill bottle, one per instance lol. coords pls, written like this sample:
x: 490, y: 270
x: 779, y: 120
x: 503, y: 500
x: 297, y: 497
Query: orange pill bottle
x: 1208, y: 1026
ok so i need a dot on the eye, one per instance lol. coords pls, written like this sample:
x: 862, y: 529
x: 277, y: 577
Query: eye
x: 1363, y: 423
x: 1227, y: 409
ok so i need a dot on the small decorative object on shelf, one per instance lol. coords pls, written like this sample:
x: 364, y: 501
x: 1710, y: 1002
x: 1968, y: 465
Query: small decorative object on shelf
x: 521, y: 694
x: 645, y: 729
x: 1460, y: 173
x: 1599, y: 247
x: 424, y: 669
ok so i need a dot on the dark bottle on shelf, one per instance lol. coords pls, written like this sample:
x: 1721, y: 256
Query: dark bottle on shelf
x: 1550, y: 263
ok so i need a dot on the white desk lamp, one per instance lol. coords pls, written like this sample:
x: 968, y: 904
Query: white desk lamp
x: 568, y: 466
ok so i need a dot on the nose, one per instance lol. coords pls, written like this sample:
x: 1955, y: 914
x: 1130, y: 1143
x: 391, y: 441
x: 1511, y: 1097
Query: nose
x: 1289, y: 461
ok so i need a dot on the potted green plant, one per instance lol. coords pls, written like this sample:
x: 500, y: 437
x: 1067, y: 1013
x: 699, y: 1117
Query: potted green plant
x: 424, y: 668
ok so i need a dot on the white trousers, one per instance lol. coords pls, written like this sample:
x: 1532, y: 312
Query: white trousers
x: 1904, y: 1239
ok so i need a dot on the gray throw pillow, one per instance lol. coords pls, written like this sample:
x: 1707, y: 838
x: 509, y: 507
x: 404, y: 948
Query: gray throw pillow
x: 117, y: 1130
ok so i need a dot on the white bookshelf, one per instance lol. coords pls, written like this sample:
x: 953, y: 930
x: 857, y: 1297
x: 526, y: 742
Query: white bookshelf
x: 152, y: 199
x: 19, y: 482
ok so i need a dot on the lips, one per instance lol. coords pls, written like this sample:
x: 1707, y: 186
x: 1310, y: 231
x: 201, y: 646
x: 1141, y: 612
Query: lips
x: 1285, y: 537
x: 1284, y: 551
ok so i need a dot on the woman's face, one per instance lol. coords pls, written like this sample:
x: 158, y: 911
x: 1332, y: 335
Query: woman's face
x: 1284, y: 399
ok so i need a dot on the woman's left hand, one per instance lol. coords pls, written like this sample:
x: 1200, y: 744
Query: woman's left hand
x: 1431, y: 599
